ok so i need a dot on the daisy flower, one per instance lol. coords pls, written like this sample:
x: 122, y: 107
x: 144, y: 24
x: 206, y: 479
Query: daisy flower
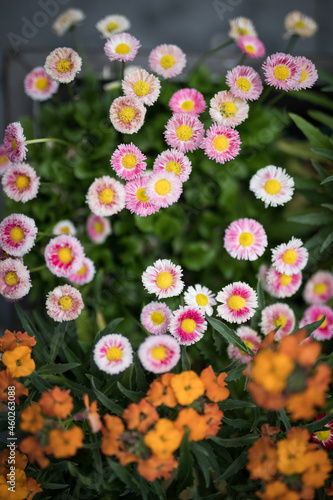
x: 282, y: 71
x: 64, y: 255
x: 121, y: 47
x: 227, y: 109
x: 188, y: 325
x: 128, y: 161
x: 155, y: 317
x: 272, y: 185
x: 173, y: 161
x: 163, y: 278
x: 85, y: 274
x: 167, y: 60
x: 251, y: 46
x: 187, y: 101
x: 184, y: 132
x: 106, y: 196
x: 290, y: 258
x: 244, y: 82
x: 4, y: 161
x: 110, y: 25
x: 309, y: 73
x: 281, y: 285
x: 159, y: 354
x: 163, y: 188
x: 98, y: 228
x: 241, y: 26
x: 315, y: 313
x: 245, y: 239
x: 250, y: 338
x: 136, y: 200
x: 277, y: 315
x: 113, y: 353
x: 64, y: 227
x: 323, y: 438
x: 67, y: 20
x: 201, y: 297
x: 14, y: 279
x: 319, y: 288
x: 221, y: 143
x: 64, y: 303
x: 14, y: 143
x: 299, y: 24
x: 142, y: 85
x: 21, y: 182
x: 239, y: 302
x: 127, y: 114
x: 63, y: 64
x: 38, y: 85
x: 17, y: 234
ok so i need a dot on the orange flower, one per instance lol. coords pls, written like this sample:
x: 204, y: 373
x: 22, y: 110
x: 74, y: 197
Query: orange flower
x: 322, y: 378
x: 112, y: 430
x: 156, y: 468
x: 267, y: 430
x: 271, y: 370
x: 56, y: 403
x: 63, y: 444
x: 262, y: 459
x: 92, y: 414
x: 278, y: 491
x: 187, y: 387
x: 213, y: 418
x: 31, y: 419
x: 305, y: 354
x: 215, y: 386
x: 20, y: 461
x: 21, y: 491
x: 291, y: 452
x: 161, y: 393
x: 140, y: 416
x: 7, y: 380
x: 33, y: 487
x: 189, y: 418
x: 164, y: 439
x: 318, y: 468
x: 33, y: 449
x: 19, y: 361
x: 10, y: 340
x: 264, y: 398
x: 303, y: 404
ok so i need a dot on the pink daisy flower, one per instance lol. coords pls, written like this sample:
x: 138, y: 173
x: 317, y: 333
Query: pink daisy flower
x: 64, y: 227
x: 251, y: 46
x: 21, y: 182
x: 98, y: 228
x: 121, y: 47
x: 277, y: 315
x: 173, y: 161
x: 142, y: 85
x: 272, y: 185
x: 201, y: 297
x: 167, y: 60
x: 63, y: 64
x: 163, y: 188
x: 128, y: 161
x: 315, y: 313
x: 4, y: 161
x: 17, y: 234
x: 250, y: 338
x: 309, y: 74
x: 297, y: 23
x: 64, y: 303
x: 290, y: 258
x: 85, y: 274
x: 106, y: 196
x: 188, y: 325
x: 155, y: 317
x: 227, y: 109
x: 184, y: 132
x: 239, y: 302
x: 221, y: 143
x: 15, y: 143
x: 281, y: 285
x: 137, y: 201
x: 282, y: 71
x: 67, y: 20
x: 113, y: 353
x: 14, y: 279
x: 323, y: 438
x: 127, y: 114
x: 240, y: 26
x: 110, y: 25
x: 319, y: 288
x: 163, y: 278
x: 245, y: 239
x: 187, y: 101
x: 38, y: 85
x: 64, y: 255
x: 244, y: 82
x: 159, y: 354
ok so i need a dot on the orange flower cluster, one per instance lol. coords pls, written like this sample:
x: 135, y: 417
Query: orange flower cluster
x: 290, y: 468
x: 25, y: 487
x: 145, y: 438
x: 284, y: 375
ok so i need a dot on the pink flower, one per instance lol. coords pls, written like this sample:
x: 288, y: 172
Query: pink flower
x: 250, y: 338
x: 159, y: 354
x: 188, y: 325
x: 272, y: 185
x: 221, y: 143
x: 187, y: 101
x: 239, y: 302
x: 128, y: 161
x: 63, y: 64
x: 240, y: 26
x: 98, y: 228
x: 282, y: 71
x: 113, y: 353
x: 319, y: 288
x: 325, y: 437
x: 85, y: 274
x: 244, y: 82
x: 277, y: 315
x: 64, y: 255
x: 167, y: 60
x: 14, y: 143
x: 309, y: 74
x: 297, y: 23
x: 137, y: 200
x: 281, y: 285
x: 245, y: 239
x: 127, y: 114
x: 290, y: 258
x: 38, y: 85
x: 163, y: 188
x: 64, y: 303
x: 21, y: 183
x: 4, y: 161
x: 155, y: 317
x: 227, y: 109
x: 163, y: 278
x: 142, y: 85
x: 17, y: 234
x: 200, y: 297
x: 106, y: 196
x: 14, y: 279
x: 184, y: 132
x: 64, y: 227
x: 315, y: 313
x: 173, y: 161
x: 251, y: 46
x: 121, y: 47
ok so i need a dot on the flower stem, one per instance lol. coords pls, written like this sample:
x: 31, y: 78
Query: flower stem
x: 47, y: 139
x: 122, y: 71
x: 210, y: 53
x: 242, y: 60
x: 39, y: 268
x: 275, y: 99
x: 291, y: 43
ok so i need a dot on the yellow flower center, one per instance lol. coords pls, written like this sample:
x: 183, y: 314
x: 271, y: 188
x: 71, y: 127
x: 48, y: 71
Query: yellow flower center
x: 141, y: 195
x: 17, y: 234
x: 228, y: 109
x: 236, y: 302
x: 164, y: 280
x: 65, y: 255
x: 220, y: 143
x: 285, y: 280
x: 323, y: 435
x: 280, y: 321
x: 300, y: 24
x: 111, y: 27
x: 242, y: 31
x: 11, y: 278
x: 187, y: 105
x: 243, y: 83
x: 65, y: 230
x: 281, y: 72
x: 106, y: 196
x: 157, y: 317
x: 98, y: 226
x: 324, y: 324
x: 162, y: 187
x: 167, y: 61
x: 141, y: 88
x: 248, y: 344
x: 272, y: 186
x: 64, y: 65
x: 126, y: 114
x: 114, y: 353
x: 41, y: 83
x: 159, y: 352
x: 188, y: 325
x: 201, y: 299
x: 4, y: 159
x: 320, y: 288
x: 184, y: 132
x: 14, y: 145
x: 65, y: 303
x: 250, y: 48
x: 129, y: 161
x: 173, y: 166
x: 246, y: 239
x: 122, y: 48
x: 83, y: 270
x: 303, y: 76
x: 289, y: 256
x: 22, y: 182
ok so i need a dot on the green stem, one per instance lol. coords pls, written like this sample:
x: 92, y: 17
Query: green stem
x: 80, y: 48
x: 264, y: 95
x: 210, y: 53
x: 47, y: 139
x: 122, y: 71
x: 71, y: 93
x: 39, y: 268
x: 275, y: 99
x: 242, y: 60
x: 291, y: 43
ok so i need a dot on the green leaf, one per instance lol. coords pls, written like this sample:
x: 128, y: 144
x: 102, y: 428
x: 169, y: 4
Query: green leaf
x: 238, y: 423
x: 185, y: 468
x: 134, y: 396
x: 186, y: 365
x: 313, y: 134
x: 236, y: 373
x: 57, y: 340
x: 284, y: 419
x: 84, y: 479
x: 141, y: 382
x: 237, y: 465
x: 202, y: 458
x: 313, y: 219
x: 235, y: 442
x: 56, y: 368
x: 328, y: 179
x: 326, y: 153
x: 313, y: 97
x: 326, y: 243
x: 230, y: 336
x: 321, y: 117
x: 107, y: 402
x: 233, y: 404
x: 321, y: 170
x: 311, y: 327
x: 318, y: 424
x: 125, y: 476
x: 37, y: 381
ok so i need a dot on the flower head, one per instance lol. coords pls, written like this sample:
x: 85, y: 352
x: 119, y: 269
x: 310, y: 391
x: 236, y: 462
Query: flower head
x: 164, y: 439
x: 315, y: 313
x: 187, y: 387
x: 21, y: 183
x: 227, y: 109
x: 190, y: 419
x: 31, y: 419
x: 64, y: 255
x: 251, y: 46
x: 325, y: 437
x: 163, y: 188
x: 128, y: 161
x: 106, y: 196
x: 290, y: 258
x: 281, y: 285
x: 113, y: 353
x: 67, y: 20
x: 10, y: 340
x: 127, y: 114
x: 142, y: 85
x: 173, y: 161
x: 240, y: 26
x: 160, y: 392
x: 98, y: 228
x: 239, y: 301
x: 140, y: 416
x: 221, y: 143
x: 159, y: 353
x: 272, y: 185
x: 65, y: 443
x: 17, y: 234
x: 63, y: 64
x: 64, y: 227
x: 163, y: 278
x: 157, y: 468
x: 277, y: 315
x: 4, y: 161
x: 309, y: 73
x: 110, y: 25
x: 282, y: 71
x: 85, y: 274
x: 319, y: 288
x: 167, y: 60
x: 299, y: 24
x: 155, y: 317
x: 121, y: 47
x: 201, y: 297
x: 14, y: 279
x: 245, y: 239
x: 215, y: 386
x: 188, y: 325
x: 250, y: 338
x: 19, y: 362
x: 244, y: 82
x: 56, y: 402
x: 6, y: 380
x: 184, y: 132
x: 64, y: 303
x: 136, y: 200
x: 187, y: 101
x: 14, y: 143
x: 38, y: 85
